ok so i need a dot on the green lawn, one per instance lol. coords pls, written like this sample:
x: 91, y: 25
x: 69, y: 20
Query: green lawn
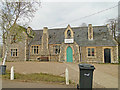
x: 0, y: 59
x: 36, y: 77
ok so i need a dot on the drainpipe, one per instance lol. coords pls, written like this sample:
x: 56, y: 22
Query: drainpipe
x: 80, y: 55
x: 29, y: 53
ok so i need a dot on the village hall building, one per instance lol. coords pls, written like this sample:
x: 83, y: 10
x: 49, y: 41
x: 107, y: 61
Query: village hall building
x: 71, y: 44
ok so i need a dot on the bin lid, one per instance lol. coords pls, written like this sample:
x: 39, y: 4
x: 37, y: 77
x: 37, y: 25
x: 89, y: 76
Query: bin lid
x: 86, y: 66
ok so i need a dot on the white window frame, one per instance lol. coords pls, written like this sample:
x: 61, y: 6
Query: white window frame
x: 14, y: 52
x: 35, y: 47
x: 91, y: 52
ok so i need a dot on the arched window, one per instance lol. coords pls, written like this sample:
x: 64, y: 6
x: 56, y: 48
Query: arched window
x: 69, y: 33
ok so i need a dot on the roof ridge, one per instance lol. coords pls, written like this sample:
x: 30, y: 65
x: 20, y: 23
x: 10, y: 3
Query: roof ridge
x: 71, y: 27
x: 37, y: 30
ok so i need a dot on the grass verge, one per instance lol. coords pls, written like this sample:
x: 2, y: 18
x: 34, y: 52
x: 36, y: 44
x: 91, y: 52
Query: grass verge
x: 0, y: 59
x: 36, y: 77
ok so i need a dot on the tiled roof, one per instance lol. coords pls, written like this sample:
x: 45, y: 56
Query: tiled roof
x: 37, y: 37
x: 56, y: 36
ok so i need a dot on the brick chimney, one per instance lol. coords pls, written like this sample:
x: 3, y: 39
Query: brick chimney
x: 44, y: 48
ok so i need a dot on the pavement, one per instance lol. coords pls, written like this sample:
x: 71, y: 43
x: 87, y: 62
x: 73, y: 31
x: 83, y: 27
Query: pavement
x: 104, y: 76
x: 14, y: 84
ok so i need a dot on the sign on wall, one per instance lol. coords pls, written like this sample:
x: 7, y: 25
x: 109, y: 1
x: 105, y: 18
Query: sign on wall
x: 68, y: 40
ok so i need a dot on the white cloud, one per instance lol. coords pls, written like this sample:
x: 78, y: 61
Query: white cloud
x: 55, y: 14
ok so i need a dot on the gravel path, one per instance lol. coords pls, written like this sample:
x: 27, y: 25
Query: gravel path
x: 105, y: 75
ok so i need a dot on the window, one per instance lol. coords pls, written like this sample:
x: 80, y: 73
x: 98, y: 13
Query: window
x: 91, y: 51
x: 13, y: 38
x: 35, y: 49
x: 88, y: 51
x: 93, y: 54
x: 14, y: 52
x: 56, y: 49
x: 69, y: 33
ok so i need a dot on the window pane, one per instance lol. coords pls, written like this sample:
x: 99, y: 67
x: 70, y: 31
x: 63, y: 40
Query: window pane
x: 11, y: 53
x: 34, y: 51
x: 16, y: 53
x: 88, y: 54
x: 88, y: 51
x: 59, y: 51
x: 92, y: 51
x: 56, y: 51
x: 68, y: 33
x: 37, y: 51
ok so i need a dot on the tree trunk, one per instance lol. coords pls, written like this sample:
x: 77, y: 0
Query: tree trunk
x: 5, y: 56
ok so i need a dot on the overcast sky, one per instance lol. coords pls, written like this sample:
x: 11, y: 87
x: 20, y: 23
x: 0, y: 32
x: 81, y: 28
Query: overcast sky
x: 60, y: 14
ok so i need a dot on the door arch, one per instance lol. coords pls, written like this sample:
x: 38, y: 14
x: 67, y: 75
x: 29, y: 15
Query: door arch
x: 107, y: 55
x: 69, y: 54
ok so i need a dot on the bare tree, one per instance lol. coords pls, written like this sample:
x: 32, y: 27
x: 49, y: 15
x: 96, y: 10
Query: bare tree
x: 83, y: 25
x: 12, y: 14
x: 113, y: 26
x: 1, y: 51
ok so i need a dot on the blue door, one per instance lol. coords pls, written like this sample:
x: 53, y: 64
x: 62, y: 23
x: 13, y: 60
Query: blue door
x: 69, y: 54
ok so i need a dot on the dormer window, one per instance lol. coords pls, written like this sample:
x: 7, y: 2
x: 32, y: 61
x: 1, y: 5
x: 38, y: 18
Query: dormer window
x: 69, y: 33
